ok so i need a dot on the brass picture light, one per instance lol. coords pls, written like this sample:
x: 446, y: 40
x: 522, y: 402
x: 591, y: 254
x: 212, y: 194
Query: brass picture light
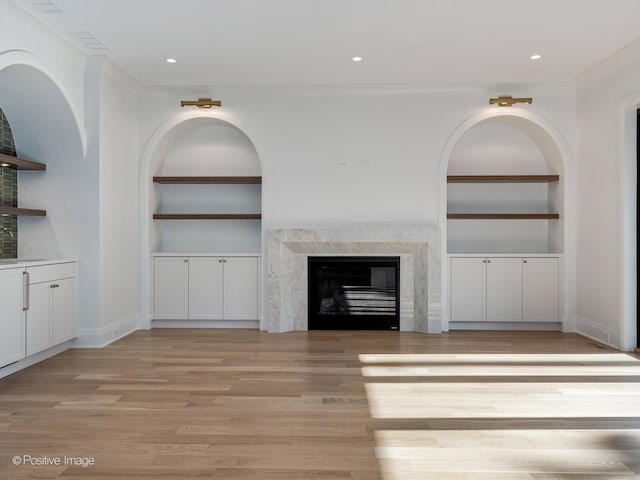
x: 201, y: 103
x: 508, y: 101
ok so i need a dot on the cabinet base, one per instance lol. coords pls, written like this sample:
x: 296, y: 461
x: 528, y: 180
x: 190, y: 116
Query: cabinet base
x: 552, y: 326
x: 205, y: 324
x: 33, y: 359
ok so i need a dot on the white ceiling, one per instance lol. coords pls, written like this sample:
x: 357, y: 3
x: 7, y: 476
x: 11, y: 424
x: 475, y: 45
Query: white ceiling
x: 305, y: 42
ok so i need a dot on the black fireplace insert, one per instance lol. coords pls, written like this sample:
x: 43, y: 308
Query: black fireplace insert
x: 354, y: 293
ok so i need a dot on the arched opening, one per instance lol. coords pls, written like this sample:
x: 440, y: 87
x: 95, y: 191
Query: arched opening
x: 508, y: 216
x: 499, y: 146
x: 45, y: 130
x: 198, y: 144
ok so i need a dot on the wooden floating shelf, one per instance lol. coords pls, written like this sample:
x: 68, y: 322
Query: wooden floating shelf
x: 207, y: 216
x: 20, y: 163
x: 203, y: 180
x: 28, y: 212
x: 502, y: 178
x: 503, y: 216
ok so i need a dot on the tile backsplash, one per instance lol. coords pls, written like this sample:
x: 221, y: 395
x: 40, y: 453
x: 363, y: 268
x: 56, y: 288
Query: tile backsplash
x: 8, y: 193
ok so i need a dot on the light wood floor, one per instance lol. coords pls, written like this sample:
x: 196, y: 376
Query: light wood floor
x: 240, y: 404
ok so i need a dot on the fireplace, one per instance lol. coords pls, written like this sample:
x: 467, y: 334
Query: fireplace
x: 287, y: 295
x: 354, y: 293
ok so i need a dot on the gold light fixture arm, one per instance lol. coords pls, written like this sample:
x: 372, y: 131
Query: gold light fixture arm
x: 508, y: 101
x: 201, y: 103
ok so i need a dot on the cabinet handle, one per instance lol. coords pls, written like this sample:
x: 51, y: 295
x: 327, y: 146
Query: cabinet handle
x: 185, y: 260
x: 25, y: 291
x: 488, y: 261
x: 524, y: 261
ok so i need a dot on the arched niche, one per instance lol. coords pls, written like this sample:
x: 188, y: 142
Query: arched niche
x: 198, y: 143
x: 505, y: 143
x: 45, y: 130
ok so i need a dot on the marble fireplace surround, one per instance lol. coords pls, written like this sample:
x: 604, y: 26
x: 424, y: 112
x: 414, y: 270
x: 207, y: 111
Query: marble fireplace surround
x: 420, y: 266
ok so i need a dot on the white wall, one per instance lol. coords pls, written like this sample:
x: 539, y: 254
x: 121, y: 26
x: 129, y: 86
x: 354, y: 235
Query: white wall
x: 42, y: 93
x: 82, y: 123
x: 351, y: 157
x: 118, y: 214
x: 334, y: 158
x: 603, y: 95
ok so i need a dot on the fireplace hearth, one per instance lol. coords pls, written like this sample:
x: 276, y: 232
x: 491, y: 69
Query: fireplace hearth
x: 354, y: 293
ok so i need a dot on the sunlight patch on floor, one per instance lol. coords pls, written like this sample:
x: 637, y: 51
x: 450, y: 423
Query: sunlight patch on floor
x: 588, y: 452
x: 450, y: 389
x: 500, y: 400
x: 502, y: 358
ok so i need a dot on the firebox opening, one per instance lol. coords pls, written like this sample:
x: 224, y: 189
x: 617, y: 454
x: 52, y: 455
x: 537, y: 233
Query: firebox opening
x: 354, y: 293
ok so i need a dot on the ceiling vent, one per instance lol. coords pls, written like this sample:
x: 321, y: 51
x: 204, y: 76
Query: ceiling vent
x: 89, y: 40
x: 46, y: 6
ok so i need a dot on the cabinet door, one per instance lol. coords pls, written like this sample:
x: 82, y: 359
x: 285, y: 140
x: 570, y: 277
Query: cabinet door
x: 39, y: 325
x: 540, y: 290
x: 240, y: 288
x: 205, y: 288
x: 12, y: 347
x: 63, y: 310
x: 171, y: 288
x: 504, y: 289
x: 467, y: 290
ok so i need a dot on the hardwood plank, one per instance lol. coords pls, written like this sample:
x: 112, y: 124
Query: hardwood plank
x: 244, y: 404
x: 20, y: 163
x: 503, y: 216
x: 207, y: 216
x: 207, y: 180
x: 29, y: 212
x: 502, y: 178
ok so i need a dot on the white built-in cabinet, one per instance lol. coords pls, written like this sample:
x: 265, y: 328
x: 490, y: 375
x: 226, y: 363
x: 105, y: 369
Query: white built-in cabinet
x: 12, y: 331
x: 51, y: 312
x: 37, y: 310
x: 171, y: 288
x: 206, y: 288
x: 504, y: 289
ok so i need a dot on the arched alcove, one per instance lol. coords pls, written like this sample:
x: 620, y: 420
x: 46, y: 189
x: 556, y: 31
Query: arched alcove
x: 45, y: 130
x: 198, y: 144
x: 503, y: 217
x: 500, y: 144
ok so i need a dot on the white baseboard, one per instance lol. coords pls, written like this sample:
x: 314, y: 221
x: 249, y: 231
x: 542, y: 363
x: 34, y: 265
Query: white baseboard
x: 101, y: 337
x: 597, y: 331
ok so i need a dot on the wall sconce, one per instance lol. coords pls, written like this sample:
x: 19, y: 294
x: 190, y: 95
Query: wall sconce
x: 508, y: 101
x: 201, y: 103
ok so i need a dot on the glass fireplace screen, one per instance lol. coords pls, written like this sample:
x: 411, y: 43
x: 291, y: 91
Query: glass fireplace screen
x: 354, y: 293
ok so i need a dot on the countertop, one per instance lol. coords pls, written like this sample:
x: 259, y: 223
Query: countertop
x: 30, y: 262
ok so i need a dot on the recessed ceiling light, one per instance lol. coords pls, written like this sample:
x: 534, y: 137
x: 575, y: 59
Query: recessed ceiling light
x: 356, y: 59
x: 170, y: 60
x: 535, y: 56
x: 4, y: 165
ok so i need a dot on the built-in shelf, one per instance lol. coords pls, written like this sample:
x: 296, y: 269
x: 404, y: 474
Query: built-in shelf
x: 503, y: 216
x: 28, y: 212
x: 207, y: 216
x: 8, y: 161
x: 204, y: 180
x: 237, y: 180
x: 502, y: 178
